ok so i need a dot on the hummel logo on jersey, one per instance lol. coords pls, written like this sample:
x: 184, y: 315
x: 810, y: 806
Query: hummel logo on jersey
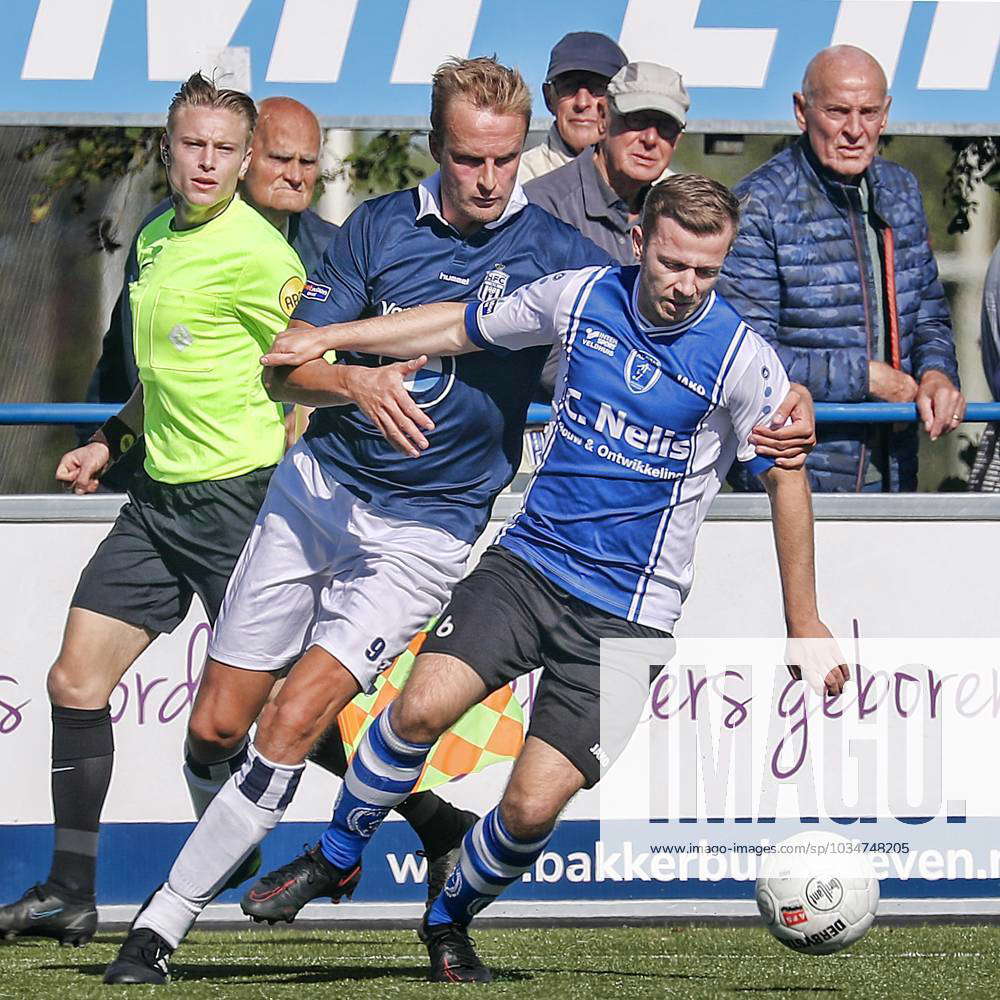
x: 454, y: 278
x: 598, y: 340
x: 657, y: 440
x: 642, y: 372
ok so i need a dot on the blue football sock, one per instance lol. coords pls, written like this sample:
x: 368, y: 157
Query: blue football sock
x: 382, y: 773
x: 491, y: 860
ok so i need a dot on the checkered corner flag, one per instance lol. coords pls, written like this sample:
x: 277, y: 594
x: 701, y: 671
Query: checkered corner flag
x: 489, y: 733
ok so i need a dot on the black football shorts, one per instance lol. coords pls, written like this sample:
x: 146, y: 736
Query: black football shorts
x: 505, y: 619
x: 169, y: 543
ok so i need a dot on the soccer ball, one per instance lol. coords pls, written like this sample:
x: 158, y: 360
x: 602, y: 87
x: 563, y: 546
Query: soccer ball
x: 816, y: 893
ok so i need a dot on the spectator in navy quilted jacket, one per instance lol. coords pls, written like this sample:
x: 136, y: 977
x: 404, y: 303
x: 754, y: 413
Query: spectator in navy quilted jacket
x: 833, y: 267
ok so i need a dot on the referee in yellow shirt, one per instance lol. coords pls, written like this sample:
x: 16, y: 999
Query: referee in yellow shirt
x: 216, y: 283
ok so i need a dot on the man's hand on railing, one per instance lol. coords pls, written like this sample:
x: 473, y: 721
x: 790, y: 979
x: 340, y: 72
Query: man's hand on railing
x: 81, y: 468
x: 791, y: 434
x: 940, y: 404
x: 890, y: 385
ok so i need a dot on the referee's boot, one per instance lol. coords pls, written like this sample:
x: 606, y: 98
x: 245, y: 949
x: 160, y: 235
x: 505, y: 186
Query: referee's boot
x: 246, y: 870
x: 282, y: 893
x: 43, y: 911
x: 440, y: 866
x: 143, y: 958
x: 453, y: 957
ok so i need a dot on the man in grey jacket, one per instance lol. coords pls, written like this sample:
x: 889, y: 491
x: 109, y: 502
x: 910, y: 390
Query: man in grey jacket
x: 601, y: 191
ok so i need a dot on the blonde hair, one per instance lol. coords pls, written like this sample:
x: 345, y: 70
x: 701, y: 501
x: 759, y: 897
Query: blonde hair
x: 696, y: 203
x: 199, y: 92
x: 483, y: 82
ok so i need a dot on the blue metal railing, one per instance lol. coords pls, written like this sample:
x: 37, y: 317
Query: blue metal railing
x: 826, y: 413
x: 843, y: 413
x: 57, y: 413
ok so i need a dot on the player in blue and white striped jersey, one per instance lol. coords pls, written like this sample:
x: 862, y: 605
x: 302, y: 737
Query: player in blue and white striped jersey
x: 658, y: 393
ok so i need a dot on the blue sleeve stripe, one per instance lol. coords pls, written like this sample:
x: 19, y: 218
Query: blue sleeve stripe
x: 473, y: 332
x: 758, y: 465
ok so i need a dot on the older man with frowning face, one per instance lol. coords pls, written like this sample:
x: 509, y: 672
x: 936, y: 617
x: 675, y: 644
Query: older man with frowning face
x: 833, y: 266
x: 285, y: 163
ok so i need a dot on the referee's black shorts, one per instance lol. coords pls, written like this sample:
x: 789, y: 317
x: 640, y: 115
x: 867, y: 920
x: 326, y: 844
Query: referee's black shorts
x: 505, y: 619
x: 169, y: 543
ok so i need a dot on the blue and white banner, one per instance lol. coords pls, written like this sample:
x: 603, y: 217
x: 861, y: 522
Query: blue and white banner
x: 367, y: 63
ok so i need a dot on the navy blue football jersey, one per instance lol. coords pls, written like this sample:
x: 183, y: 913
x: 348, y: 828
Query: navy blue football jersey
x: 647, y: 422
x: 395, y: 252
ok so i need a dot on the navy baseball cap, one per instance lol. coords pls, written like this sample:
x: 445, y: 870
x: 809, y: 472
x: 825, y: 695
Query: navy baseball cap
x: 588, y: 51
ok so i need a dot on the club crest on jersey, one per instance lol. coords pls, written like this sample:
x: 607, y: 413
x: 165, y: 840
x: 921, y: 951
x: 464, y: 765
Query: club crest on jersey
x: 642, y: 372
x: 494, y: 284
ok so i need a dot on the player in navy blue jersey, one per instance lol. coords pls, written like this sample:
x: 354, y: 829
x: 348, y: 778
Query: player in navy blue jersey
x: 660, y: 387
x: 370, y: 519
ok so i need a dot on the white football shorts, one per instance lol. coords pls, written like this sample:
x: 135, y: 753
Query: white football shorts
x: 323, y: 568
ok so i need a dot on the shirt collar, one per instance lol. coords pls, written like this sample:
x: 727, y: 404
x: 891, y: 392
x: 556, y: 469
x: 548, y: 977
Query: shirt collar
x: 429, y: 202
x: 557, y: 142
x: 600, y: 200
x: 675, y: 328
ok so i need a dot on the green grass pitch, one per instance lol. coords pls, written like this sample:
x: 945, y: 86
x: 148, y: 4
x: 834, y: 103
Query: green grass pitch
x: 694, y: 963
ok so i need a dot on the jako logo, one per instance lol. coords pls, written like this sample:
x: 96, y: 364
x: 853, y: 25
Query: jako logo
x: 603, y: 758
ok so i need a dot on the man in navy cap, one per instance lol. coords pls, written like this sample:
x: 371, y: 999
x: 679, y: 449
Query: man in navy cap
x: 580, y: 66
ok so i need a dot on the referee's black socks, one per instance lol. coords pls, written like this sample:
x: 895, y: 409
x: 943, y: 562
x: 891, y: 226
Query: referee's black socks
x: 83, y: 750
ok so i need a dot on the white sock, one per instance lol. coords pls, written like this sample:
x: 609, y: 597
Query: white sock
x: 170, y: 915
x: 240, y: 816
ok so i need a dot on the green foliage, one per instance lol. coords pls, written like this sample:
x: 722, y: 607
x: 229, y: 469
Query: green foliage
x: 83, y: 158
x: 385, y: 163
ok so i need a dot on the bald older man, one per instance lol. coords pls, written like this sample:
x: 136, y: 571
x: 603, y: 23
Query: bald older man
x: 279, y: 184
x: 833, y: 267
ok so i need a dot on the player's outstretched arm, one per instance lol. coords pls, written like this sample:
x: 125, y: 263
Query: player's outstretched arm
x: 380, y: 393
x: 791, y: 433
x: 812, y: 651
x: 436, y: 329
